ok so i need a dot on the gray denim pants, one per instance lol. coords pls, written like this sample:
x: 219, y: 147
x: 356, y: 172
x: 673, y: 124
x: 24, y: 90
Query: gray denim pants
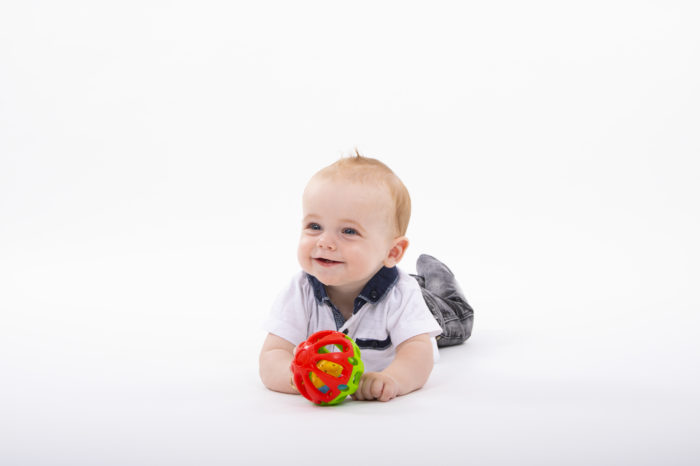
x: 445, y: 300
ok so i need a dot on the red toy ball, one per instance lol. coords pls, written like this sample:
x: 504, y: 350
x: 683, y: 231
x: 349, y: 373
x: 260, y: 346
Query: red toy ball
x: 327, y: 367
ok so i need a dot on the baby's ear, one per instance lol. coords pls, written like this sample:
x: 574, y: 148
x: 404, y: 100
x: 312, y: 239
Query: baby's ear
x: 398, y: 248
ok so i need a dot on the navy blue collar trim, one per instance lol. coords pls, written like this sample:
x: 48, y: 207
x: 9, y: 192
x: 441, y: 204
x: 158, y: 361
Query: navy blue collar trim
x: 375, y: 289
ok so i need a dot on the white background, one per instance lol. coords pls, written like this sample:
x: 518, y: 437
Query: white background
x: 152, y: 158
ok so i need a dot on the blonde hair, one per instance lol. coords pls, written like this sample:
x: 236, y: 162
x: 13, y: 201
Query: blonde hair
x: 361, y: 169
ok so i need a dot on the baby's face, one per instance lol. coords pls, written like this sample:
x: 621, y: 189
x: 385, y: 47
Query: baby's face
x: 347, y: 232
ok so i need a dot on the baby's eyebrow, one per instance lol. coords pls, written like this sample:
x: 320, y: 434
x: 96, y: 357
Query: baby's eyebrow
x: 347, y: 220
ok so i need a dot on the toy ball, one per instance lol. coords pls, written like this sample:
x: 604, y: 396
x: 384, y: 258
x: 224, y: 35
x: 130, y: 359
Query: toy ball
x: 327, y: 367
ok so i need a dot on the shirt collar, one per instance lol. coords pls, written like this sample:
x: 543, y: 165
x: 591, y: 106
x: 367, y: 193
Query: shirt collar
x: 375, y: 289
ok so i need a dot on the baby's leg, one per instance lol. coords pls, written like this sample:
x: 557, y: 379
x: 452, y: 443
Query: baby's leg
x: 445, y: 300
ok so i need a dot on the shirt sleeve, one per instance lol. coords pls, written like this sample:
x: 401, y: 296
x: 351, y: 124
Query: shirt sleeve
x: 411, y: 316
x: 289, y: 315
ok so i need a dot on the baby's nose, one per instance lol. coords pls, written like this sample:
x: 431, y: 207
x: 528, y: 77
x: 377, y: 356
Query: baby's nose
x: 325, y: 242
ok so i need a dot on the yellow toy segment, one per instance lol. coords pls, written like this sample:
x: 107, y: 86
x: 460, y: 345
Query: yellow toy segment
x: 328, y: 367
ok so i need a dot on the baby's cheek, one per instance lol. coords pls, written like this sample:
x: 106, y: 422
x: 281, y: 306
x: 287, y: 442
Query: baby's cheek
x: 303, y: 253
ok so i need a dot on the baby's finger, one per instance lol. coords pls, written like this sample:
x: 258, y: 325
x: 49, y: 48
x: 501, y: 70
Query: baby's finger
x: 389, y: 392
x: 376, y: 389
x: 358, y: 395
x: 367, y: 388
x: 364, y: 389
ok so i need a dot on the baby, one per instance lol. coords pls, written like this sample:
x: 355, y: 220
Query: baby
x: 355, y: 216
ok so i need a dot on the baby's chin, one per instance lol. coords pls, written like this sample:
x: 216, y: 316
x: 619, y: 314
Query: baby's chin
x: 325, y: 277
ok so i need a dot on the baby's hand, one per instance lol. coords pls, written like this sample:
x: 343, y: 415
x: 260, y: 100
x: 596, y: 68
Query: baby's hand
x: 376, y: 386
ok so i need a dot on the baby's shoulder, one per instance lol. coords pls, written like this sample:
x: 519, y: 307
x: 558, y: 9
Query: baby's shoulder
x: 406, y: 287
x: 406, y: 282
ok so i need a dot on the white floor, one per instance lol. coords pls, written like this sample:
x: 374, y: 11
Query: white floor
x: 152, y: 158
x: 176, y: 383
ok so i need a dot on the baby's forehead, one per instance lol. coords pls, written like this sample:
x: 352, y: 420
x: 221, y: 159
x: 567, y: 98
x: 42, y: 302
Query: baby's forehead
x: 348, y: 195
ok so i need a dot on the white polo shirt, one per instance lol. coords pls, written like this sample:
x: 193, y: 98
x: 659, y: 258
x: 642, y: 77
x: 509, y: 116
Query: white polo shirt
x: 389, y: 310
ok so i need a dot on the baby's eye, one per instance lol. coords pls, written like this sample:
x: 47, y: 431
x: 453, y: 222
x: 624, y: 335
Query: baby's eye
x: 313, y: 226
x: 349, y: 231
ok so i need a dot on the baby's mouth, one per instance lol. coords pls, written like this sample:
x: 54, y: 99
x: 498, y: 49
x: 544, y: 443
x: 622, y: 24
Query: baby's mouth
x: 326, y: 261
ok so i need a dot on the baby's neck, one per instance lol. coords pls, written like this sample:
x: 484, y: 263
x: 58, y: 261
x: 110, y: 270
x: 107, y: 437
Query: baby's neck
x: 343, y: 298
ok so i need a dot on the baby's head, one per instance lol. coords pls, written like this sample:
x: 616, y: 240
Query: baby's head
x: 355, y: 216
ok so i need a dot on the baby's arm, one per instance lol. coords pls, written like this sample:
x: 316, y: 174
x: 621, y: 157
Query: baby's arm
x: 275, y: 358
x: 408, y: 371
